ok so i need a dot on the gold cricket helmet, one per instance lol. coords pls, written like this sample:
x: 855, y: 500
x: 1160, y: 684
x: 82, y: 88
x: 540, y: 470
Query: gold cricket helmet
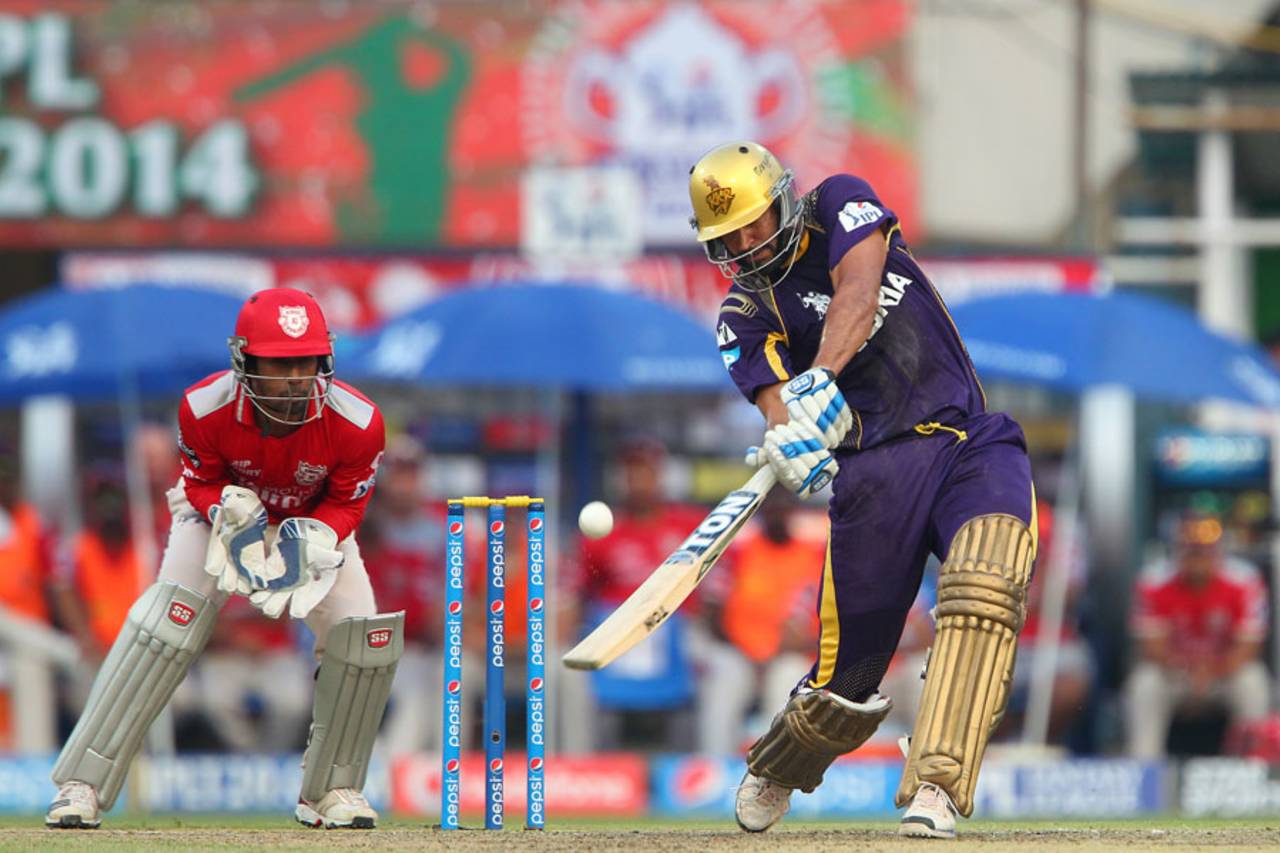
x: 731, y: 186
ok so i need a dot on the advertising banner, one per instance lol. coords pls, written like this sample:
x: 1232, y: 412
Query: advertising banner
x: 231, y: 783
x: 1229, y: 787
x: 558, y: 125
x: 1076, y: 788
x: 580, y: 785
x: 696, y: 785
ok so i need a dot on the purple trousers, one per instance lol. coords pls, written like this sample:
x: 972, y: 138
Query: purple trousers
x: 893, y: 505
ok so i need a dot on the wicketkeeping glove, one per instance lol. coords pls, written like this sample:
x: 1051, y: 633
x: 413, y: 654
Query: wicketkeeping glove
x: 813, y: 399
x: 237, y: 552
x: 301, y: 566
x: 797, y: 455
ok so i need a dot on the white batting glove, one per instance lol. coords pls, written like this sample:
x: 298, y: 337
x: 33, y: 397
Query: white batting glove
x: 797, y: 455
x: 814, y: 399
x: 301, y: 566
x: 237, y: 552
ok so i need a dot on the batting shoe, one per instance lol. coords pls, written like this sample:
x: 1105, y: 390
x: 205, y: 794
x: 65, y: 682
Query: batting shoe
x: 341, y: 808
x: 75, y: 807
x: 931, y: 814
x: 760, y: 803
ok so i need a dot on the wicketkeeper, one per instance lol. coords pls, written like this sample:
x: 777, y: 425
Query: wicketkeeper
x: 833, y: 330
x: 279, y: 460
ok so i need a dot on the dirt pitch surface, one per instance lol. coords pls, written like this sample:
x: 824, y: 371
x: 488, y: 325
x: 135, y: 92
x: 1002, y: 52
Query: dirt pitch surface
x: 253, y: 834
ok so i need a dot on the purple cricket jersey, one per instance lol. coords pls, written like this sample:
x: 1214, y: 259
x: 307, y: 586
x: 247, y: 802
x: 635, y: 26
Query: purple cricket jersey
x: 913, y: 369
x: 923, y: 457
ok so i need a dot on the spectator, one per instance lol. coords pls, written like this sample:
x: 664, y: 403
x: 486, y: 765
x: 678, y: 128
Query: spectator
x: 153, y: 445
x: 1199, y: 628
x: 24, y: 573
x: 404, y: 552
x: 99, y: 574
x: 762, y: 614
x: 642, y: 697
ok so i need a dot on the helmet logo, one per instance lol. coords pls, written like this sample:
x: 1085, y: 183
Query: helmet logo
x: 293, y: 319
x: 720, y: 199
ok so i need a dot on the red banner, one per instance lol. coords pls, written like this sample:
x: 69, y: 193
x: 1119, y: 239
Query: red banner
x: 558, y: 126
x: 578, y: 785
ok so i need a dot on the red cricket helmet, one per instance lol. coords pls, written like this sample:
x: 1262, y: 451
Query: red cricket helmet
x: 282, y: 322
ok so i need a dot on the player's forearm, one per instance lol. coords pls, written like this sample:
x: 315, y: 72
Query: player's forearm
x: 847, y: 325
x: 769, y: 401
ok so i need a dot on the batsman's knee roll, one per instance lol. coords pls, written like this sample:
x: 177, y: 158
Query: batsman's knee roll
x: 981, y: 605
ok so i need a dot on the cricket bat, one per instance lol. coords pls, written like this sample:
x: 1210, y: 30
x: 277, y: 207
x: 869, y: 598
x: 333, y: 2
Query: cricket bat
x: 671, y: 583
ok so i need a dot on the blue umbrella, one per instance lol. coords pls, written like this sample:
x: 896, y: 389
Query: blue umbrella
x: 1072, y: 341
x: 567, y: 336
x: 96, y: 345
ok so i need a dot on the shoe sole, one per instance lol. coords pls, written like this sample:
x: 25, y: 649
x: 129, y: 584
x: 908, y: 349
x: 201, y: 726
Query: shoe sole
x: 71, y: 821
x: 918, y: 828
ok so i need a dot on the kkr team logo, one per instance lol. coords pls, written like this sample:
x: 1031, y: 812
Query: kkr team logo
x: 720, y: 199
x: 308, y: 474
x: 293, y: 320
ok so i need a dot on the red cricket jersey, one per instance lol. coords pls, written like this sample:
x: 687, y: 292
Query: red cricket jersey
x: 324, y: 469
x: 612, y: 567
x: 1202, y: 623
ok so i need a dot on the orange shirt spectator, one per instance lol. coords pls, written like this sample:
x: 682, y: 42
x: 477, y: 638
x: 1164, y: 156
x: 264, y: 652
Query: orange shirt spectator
x: 770, y: 583
x: 106, y: 577
x: 24, y: 563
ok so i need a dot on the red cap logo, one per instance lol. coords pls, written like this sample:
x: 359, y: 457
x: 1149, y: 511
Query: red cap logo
x: 181, y: 614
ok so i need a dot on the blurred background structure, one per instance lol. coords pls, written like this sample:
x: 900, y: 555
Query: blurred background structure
x: 1090, y: 183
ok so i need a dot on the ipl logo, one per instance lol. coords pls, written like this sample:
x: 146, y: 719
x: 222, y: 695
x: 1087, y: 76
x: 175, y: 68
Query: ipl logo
x: 655, y: 88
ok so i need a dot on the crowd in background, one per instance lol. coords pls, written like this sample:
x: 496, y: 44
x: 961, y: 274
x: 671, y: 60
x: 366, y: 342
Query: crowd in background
x: 1195, y: 678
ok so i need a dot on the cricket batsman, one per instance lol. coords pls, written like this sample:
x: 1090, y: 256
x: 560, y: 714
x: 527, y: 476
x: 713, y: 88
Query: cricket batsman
x: 833, y: 330
x: 279, y: 460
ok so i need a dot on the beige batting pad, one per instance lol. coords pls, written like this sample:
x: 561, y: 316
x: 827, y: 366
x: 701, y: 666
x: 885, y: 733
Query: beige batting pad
x: 981, y: 605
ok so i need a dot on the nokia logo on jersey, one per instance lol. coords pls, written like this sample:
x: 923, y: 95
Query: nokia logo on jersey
x: 892, y: 289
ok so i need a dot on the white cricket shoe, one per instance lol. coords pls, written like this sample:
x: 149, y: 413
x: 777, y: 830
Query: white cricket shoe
x: 760, y: 803
x: 341, y: 808
x: 930, y: 814
x: 75, y: 807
